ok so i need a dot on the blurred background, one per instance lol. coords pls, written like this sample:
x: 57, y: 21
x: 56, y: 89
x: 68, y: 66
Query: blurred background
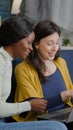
x: 59, y: 11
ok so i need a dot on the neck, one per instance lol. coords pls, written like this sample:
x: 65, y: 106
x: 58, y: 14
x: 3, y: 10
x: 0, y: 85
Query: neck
x: 50, y: 67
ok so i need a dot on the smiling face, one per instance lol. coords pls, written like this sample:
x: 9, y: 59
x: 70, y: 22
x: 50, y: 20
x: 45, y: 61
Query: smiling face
x: 23, y: 47
x: 47, y: 47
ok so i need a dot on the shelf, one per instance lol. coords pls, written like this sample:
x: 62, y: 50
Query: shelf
x: 66, y: 47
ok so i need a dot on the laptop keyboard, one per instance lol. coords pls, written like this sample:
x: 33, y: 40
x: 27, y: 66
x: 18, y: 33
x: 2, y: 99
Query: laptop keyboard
x: 61, y: 115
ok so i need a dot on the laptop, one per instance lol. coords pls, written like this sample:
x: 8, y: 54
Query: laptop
x: 64, y: 115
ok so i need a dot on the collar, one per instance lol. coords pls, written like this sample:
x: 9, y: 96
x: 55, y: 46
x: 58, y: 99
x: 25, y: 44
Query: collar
x: 5, y: 53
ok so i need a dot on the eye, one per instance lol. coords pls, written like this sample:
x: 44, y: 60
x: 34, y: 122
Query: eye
x: 30, y: 43
x: 49, y: 43
x: 57, y: 43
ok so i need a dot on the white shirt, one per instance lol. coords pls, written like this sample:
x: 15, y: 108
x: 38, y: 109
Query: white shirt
x: 8, y: 109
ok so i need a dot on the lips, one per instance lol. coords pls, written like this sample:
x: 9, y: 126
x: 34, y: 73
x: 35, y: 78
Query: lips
x: 51, y: 54
x: 28, y: 52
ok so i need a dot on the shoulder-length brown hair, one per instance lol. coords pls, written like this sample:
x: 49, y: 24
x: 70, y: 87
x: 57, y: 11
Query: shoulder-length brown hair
x: 42, y: 30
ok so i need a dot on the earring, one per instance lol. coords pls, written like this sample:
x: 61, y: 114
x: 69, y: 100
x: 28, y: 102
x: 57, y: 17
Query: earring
x: 13, y: 44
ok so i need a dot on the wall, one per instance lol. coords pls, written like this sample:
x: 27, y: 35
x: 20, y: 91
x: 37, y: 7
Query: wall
x: 68, y: 56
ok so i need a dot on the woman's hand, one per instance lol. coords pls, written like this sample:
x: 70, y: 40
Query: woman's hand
x: 66, y: 94
x: 38, y: 104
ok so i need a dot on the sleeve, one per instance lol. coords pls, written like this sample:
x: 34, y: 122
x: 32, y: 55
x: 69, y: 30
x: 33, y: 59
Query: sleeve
x: 62, y: 65
x: 1, y: 73
x: 26, y: 83
x: 9, y: 109
x: 66, y: 76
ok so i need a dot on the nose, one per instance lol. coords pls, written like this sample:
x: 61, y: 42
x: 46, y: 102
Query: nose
x: 30, y: 47
x: 54, y: 47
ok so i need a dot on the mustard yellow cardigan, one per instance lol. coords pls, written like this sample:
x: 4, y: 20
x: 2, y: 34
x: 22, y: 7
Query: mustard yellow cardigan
x: 28, y: 85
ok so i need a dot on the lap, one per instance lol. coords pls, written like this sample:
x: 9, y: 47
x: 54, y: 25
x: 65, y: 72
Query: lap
x: 36, y: 125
